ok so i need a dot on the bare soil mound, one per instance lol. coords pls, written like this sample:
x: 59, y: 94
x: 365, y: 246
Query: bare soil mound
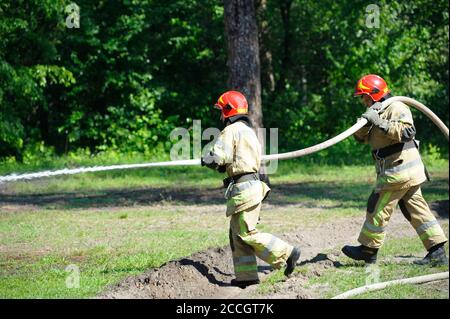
x: 207, y: 274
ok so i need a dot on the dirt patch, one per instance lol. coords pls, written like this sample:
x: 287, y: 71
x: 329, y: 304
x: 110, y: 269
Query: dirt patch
x: 294, y: 287
x: 208, y: 274
x: 199, y: 276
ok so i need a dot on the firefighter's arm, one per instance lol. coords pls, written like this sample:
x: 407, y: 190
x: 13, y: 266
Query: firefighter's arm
x: 399, y: 127
x: 221, y: 153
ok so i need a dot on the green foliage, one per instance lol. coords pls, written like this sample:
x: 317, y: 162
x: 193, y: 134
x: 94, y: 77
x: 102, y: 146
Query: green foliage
x: 331, y: 47
x: 121, y: 82
x: 134, y: 70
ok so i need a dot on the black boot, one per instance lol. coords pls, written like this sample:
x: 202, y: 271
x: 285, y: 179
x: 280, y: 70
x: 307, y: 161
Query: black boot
x: 369, y: 255
x: 244, y: 283
x: 436, y: 257
x: 292, y: 261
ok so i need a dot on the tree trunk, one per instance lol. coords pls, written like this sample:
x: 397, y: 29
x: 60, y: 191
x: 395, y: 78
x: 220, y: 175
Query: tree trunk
x: 243, y: 54
x: 285, y: 10
x: 243, y: 60
x: 42, y: 115
x: 267, y: 73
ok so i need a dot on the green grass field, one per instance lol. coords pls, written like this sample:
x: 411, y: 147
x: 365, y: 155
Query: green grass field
x: 354, y: 274
x: 93, y: 222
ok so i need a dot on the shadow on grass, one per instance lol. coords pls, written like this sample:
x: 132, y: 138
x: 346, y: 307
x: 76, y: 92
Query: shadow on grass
x: 348, y: 195
x: 204, y: 270
x: 320, y: 258
x: 286, y: 194
x: 441, y: 207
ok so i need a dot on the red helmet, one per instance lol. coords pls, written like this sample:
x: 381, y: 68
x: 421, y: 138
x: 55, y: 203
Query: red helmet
x: 373, y: 86
x: 232, y: 103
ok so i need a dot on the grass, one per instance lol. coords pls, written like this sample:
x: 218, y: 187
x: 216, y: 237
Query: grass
x: 37, y: 246
x: 351, y: 274
x: 354, y: 274
x: 93, y: 222
x: 424, y: 291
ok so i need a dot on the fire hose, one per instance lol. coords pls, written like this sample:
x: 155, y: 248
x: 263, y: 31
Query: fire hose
x: 359, y: 124
x: 383, y: 285
x: 294, y: 154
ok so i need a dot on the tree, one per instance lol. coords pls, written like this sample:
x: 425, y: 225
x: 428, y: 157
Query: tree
x: 243, y: 60
x: 285, y: 11
x: 243, y: 54
x: 267, y: 72
x: 136, y: 69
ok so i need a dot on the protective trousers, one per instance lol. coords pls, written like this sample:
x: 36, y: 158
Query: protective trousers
x: 382, y: 204
x: 247, y: 242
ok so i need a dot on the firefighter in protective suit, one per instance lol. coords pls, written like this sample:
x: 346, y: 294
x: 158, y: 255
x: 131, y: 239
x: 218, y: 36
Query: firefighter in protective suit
x: 237, y: 152
x: 390, y: 133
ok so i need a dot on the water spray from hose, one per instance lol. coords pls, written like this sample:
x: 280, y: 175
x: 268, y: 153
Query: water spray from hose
x: 195, y: 162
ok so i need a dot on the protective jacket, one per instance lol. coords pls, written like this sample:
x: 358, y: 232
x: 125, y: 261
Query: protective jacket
x: 395, y: 151
x: 238, y: 149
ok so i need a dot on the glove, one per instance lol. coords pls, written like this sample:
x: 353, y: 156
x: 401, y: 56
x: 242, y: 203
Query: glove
x: 376, y: 106
x: 373, y: 117
x: 222, y: 169
x: 211, y: 165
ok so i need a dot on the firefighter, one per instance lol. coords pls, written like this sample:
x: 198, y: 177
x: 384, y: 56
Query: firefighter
x: 400, y: 171
x: 237, y: 152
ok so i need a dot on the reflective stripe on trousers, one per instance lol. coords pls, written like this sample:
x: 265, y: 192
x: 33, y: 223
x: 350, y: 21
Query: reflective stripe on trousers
x: 413, y: 207
x: 247, y: 243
